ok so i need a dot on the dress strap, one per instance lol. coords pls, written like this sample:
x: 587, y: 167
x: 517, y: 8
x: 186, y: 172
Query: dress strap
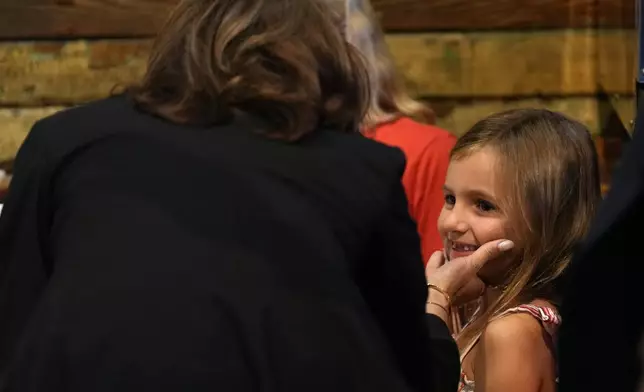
x: 549, y: 318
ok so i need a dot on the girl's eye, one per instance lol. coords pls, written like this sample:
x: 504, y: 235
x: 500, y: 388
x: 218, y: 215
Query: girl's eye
x: 485, y: 206
x: 450, y: 200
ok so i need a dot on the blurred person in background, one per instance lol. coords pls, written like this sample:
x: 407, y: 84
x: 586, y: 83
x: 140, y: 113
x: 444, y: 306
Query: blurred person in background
x: 395, y: 118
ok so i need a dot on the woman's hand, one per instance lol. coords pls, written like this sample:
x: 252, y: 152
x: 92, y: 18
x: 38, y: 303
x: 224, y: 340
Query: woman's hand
x: 458, y: 278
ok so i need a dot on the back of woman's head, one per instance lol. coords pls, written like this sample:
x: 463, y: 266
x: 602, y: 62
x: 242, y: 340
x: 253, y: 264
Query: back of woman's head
x: 389, y: 98
x: 550, y: 190
x: 283, y: 61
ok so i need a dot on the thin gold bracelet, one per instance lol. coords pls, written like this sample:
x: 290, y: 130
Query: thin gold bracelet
x: 439, y: 305
x: 447, y: 297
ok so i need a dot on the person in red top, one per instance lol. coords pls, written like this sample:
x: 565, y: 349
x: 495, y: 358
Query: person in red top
x: 396, y: 119
x: 427, y: 150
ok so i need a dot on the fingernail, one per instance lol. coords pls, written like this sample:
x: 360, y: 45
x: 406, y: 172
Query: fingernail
x: 505, y: 245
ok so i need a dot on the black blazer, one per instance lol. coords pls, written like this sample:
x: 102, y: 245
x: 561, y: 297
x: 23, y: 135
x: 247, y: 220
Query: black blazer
x: 139, y: 255
x: 602, y: 307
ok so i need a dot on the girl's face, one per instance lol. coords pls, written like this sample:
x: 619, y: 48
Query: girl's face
x: 471, y: 215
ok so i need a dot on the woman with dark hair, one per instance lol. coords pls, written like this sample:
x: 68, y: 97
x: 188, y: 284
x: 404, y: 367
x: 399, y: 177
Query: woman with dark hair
x: 222, y: 226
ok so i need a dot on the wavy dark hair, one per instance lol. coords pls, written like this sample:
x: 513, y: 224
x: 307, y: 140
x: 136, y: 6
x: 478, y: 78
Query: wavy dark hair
x: 285, y: 62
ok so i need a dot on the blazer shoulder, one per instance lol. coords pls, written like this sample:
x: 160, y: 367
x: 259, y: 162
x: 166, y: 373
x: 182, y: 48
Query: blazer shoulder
x: 67, y: 129
x: 94, y: 111
x: 376, y: 155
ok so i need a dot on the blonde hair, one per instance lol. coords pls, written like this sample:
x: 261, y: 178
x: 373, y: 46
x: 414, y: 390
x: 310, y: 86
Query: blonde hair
x: 389, y: 98
x: 549, y: 168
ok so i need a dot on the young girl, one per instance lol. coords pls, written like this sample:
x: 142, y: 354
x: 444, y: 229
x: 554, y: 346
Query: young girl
x: 530, y: 176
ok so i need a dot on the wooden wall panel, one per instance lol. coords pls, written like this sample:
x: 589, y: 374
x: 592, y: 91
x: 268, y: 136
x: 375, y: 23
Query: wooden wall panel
x: 14, y: 125
x: 139, y: 18
x: 67, y: 72
x: 433, y: 65
x: 563, y: 62
x: 469, y: 58
x: 456, y: 115
x: 459, y: 115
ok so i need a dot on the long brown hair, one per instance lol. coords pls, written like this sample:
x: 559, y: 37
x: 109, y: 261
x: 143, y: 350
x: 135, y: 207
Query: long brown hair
x: 389, y: 97
x: 283, y: 61
x: 551, y: 189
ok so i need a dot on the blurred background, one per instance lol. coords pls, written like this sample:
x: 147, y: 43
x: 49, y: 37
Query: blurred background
x: 467, y: 58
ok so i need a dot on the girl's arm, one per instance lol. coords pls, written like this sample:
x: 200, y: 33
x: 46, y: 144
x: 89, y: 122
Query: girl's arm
x: 512, y: 356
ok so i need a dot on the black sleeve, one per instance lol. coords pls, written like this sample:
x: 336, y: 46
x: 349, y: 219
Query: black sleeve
x: 393, y: 284
x: 23, y: 264
x: 446, y: 363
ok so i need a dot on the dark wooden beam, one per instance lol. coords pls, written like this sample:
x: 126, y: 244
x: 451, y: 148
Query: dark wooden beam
x: 81, y: 18
x: 25, y: 19
x: 504, y: 14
